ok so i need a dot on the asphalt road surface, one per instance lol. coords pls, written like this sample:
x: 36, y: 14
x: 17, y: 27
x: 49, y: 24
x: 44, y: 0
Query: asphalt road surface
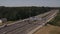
x: 24, y: 27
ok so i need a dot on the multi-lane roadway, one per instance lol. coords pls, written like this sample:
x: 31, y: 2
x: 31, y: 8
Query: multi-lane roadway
x: 27, y: 25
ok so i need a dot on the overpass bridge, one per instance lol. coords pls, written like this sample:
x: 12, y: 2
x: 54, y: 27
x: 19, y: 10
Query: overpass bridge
x: 29, y: 25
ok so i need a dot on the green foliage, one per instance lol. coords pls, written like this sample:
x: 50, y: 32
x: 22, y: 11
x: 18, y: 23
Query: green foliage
x: 15, y: 13
x: 56, y: 21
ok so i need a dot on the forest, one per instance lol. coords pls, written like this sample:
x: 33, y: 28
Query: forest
x: 16, y: 13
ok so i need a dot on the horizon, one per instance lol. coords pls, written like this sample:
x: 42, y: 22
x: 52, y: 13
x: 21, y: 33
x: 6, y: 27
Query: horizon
x: 39, y: 3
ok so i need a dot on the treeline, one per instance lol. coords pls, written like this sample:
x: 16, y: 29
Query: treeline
x: 16, y: 13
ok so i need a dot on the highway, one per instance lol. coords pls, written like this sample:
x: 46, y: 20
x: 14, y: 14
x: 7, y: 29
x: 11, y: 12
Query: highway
x: 27, y: 25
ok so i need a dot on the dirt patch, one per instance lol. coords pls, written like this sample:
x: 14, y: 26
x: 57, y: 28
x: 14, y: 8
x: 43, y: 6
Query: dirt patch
x: 49, y: 29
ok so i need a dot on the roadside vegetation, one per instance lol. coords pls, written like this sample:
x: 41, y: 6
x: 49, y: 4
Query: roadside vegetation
x: 16, y: 13
x: 53, y: 27
x: 56, y: 20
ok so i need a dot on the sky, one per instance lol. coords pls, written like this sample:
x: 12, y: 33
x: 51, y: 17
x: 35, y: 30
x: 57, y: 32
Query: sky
x: 49, y: 3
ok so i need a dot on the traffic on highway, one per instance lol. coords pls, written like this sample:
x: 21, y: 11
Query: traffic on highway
x: 27, y: 25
